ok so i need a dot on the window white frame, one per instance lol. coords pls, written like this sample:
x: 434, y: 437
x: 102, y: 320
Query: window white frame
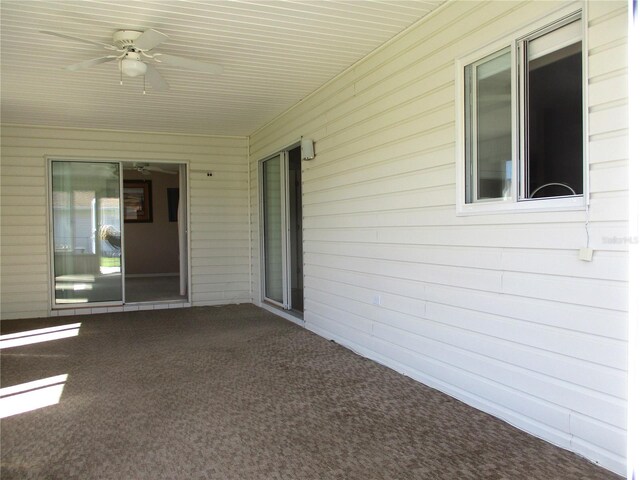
x: 515, y: 201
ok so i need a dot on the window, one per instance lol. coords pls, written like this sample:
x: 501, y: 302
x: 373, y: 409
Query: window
x: 523, y: 121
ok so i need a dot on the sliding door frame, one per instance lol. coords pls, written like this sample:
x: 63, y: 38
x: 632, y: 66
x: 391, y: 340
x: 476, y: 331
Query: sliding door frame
x: 50, y: 230
x: 286, y: 231
x: 186, y: 206
x: 263, y: 247
x: 285, y: 228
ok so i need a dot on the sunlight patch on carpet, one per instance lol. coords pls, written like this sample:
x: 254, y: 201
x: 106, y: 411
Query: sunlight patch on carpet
x: 29, y: 396
x: 39, y: 335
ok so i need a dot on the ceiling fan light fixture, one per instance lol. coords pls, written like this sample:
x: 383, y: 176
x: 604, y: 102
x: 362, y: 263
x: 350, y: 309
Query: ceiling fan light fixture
x: 132, y: 66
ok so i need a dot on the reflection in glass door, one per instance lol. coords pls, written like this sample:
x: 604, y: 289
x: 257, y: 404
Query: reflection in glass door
x: 85, y: 202
x: 272, y: 229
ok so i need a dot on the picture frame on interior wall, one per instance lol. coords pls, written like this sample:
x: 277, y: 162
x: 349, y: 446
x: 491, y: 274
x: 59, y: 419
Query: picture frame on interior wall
x: 137, y: 202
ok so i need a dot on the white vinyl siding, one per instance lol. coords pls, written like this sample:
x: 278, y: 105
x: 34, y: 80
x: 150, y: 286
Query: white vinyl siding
x: 218, y: 208
x: 496, y: 310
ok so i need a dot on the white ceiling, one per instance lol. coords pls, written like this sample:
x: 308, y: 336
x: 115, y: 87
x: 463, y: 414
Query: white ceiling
x: 274, y: 53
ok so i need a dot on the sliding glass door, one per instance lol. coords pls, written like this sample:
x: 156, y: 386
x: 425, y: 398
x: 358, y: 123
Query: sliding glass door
x: 86, y: 224
x: 282, y: 230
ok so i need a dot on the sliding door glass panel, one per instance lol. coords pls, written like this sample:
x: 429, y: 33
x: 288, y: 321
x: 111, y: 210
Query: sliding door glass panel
x: 296, y: 273
x: 86, y: 232
x: 272, y: 211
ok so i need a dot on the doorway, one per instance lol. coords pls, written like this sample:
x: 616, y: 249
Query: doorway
x: 281, y: 206
x: 152, y: 238
x: 118, y: 233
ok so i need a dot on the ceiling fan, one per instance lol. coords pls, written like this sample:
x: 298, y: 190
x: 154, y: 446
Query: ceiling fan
x: 131, y: 49
x: 147, y: 168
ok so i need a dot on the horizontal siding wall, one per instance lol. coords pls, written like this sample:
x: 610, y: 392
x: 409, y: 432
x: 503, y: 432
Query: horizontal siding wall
x: 496, y: 310
x: 218, y: 207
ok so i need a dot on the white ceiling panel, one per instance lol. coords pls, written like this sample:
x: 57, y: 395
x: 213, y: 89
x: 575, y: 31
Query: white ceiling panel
x: 274, y: 53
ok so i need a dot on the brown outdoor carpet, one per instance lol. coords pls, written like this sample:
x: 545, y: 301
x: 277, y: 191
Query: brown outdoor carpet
x: 238, y: 393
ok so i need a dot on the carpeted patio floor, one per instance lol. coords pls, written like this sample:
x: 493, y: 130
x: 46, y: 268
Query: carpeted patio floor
x: 153, y: 289
x: 237, y: 393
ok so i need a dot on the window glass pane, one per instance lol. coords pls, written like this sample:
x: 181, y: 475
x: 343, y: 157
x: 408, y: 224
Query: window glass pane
x: 488, y: 127
x: 86, y: 232
x: 554, y: 115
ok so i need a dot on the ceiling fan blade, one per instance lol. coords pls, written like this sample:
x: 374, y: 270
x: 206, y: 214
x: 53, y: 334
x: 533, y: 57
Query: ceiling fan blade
x: 90, y: 63
x: 155, y: 79
x: 189, y: 64
x: 69, y: 37
x: 149, y: 39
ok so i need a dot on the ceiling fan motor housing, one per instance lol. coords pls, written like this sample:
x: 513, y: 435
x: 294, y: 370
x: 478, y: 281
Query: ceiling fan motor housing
x: 125, y: 38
